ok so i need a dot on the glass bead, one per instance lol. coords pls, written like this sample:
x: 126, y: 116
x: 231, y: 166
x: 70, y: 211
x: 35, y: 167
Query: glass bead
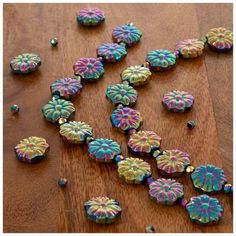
x: 53, y: 42
x: 15, y: 109
x: 128, y: 34
x: 122, y: 94
x: 190, y: 48
x: 134, y: 170
x: 32, y: 149
x: 118, y: 158
x: 191, y: 124
x: 125, y: 119
x: 103, y: 150
x: 102, y: 210
x: 166, y: 191
x: 136, y: 75
x: 208, y: 178
x: 90, y: 16
x: 160, y: 60
x: 62, y: 182
x: 111, y: 52
x: 172, y: 163
x: 25, y: 63
x: 90, y: 69
x: 190, y: 169
x: 76, y: 132
x: 177, y: 101
x: 150, y: 229
x: 220, y: 39
x: 204, y: 210
x: 144, y: 142
x: 228, y: 188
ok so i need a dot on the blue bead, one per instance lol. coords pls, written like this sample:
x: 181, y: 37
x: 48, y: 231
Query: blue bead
x: 62, y: 182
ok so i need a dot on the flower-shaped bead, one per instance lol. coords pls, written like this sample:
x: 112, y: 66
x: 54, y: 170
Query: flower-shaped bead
x: 204, y: 210
x: 58, y: 108
x: 125, y: 119
x: 177, y: 101
x: 172, y: 162
x: 90, y: 69
x: 134, y: 170
x: 161, y: 59
x: 220, y: 39
x: 136, y: 75
x: 144, y: 142
x: 190, y: 48
x: 32, y: 149
x: 76, y: 132
x: 208, y: 178
x: 90, y: 16
x: 111, y: 52
x: 127, y: 34
x: 166, y: 191
x: 25, y: 63
x: 103, y: 150
x: 66, y: 88
x: 102, y: 210
x: 122, y: 94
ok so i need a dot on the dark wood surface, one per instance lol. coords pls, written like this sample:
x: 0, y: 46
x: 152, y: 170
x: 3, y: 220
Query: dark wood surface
x: 32, y: 200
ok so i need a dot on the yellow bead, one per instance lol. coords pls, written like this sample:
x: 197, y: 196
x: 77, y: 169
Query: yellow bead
x: 190, y: 169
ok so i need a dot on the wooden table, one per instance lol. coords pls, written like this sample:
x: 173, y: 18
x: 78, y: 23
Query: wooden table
x: 33, y: 202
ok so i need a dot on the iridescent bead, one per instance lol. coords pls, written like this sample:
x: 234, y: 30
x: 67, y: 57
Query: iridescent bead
x: 204, y: 210
x: 25, y: 63
x: 103, y: 150
x: 208, y: 178
x: 62, y: 182
x: 172, y: 163
x: 160, y: 60
x: 75, y: 132
x: 228, y: 188
x: 53, y: 42
x: 66, y: 88
x: 90, y: 69
x: 121, y: 94
x: 102, y: 210
x: 134, y: 170
x: 56, y: 109
x: 90, y: 16
x: 136, y: 75
x: 118, y: 158
x: 166, y: 191
x: 191, y: 124
x: 144, y: 142
x: 15, y: 109
x: 128, y: 34
x: 190, y: 48
x: 111, y: 52
x: 32, y: 149
x: 177, y: 101
x: 125, y: 119
x: 220, y: 39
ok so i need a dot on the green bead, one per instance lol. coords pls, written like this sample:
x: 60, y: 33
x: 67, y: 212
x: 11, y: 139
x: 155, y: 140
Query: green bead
x: 15, y: 108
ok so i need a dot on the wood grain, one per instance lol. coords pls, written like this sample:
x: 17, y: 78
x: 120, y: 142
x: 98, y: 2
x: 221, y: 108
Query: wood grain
x: 32, y: 200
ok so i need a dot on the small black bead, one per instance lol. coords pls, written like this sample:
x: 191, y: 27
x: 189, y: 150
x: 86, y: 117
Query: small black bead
x: 191, y: 124
x: 54, y: 42
x: 62, y: 182
x: 150, y: 229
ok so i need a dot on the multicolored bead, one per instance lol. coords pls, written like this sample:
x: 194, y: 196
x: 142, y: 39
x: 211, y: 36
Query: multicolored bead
x: 208, y: 178
x: 190, y: 48
x: 102, y: 210
x: 15, y: 109
x: 32, y: 149
x: 90, y: 16
x: 128, y: 34
x: 90, y: 69
x: 122, y: 94
x: 166, y: 191
x: 111, y: 52
x: 103, y: 150
x: 66, y: 88
x: 125, y: 119
x: 144, y: 142
x: 76, y: 132
x: 160, y: 60
x: 220, y: 39
x: 62, y: 182
x: 177, y: 101
x: 134, y: 170
x: 136, y: 75
x: 204, y: 210
x: 172, y: 163
x: 58, y: 108
x: 25, y: 63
